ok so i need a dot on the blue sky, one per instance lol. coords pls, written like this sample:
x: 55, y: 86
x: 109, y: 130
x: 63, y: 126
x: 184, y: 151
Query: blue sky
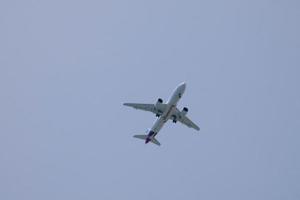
x: 66, y: 67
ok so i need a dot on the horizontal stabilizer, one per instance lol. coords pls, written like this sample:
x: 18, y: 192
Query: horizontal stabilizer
x: 155, y: 141
x: 142, y: 137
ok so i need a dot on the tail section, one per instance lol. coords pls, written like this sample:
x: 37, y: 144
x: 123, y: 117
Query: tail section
x: 147, y: 139
x: 155, y: 141
x: 142, y: 137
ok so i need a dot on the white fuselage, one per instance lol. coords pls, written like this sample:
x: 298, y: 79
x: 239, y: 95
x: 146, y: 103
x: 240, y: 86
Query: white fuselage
x: 171, y: 107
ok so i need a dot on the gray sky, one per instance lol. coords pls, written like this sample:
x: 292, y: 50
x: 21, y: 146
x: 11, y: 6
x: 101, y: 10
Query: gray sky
x: 67, y: 66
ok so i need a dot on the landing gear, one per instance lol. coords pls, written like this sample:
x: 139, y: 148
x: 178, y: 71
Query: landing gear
x: 174, y: 119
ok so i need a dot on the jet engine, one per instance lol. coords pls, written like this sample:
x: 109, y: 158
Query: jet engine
x: 158, y: 106
x: 159, y: 101
x: 184, y: 111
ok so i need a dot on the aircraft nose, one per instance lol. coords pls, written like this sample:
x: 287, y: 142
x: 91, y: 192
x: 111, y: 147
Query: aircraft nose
x: 182, y: 86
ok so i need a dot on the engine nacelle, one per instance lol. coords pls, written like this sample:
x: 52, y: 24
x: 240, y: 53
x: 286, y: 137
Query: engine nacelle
x: 184, y: 111
x: 159, y: 101
x: 158, y: 107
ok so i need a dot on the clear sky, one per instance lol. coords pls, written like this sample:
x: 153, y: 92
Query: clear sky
x: 67, y: 66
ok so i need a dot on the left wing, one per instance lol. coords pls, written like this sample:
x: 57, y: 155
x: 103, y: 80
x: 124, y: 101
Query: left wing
x: 148, y: 107
x: 185, y: 120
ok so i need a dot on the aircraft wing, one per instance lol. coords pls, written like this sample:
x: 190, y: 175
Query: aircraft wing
x: 185, y: 120
x: 148, y: 107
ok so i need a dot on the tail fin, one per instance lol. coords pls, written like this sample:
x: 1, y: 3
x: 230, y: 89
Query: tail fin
x: 144, y: 137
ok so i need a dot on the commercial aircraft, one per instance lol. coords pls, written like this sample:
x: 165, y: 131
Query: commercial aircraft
x: 164, y: 112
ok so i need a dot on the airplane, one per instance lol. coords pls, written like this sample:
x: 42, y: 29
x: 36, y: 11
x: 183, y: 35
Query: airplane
x: 164, y: 112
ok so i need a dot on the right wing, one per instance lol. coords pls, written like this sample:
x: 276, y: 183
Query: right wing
x: 185, y: 120
x: 148, y: 107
